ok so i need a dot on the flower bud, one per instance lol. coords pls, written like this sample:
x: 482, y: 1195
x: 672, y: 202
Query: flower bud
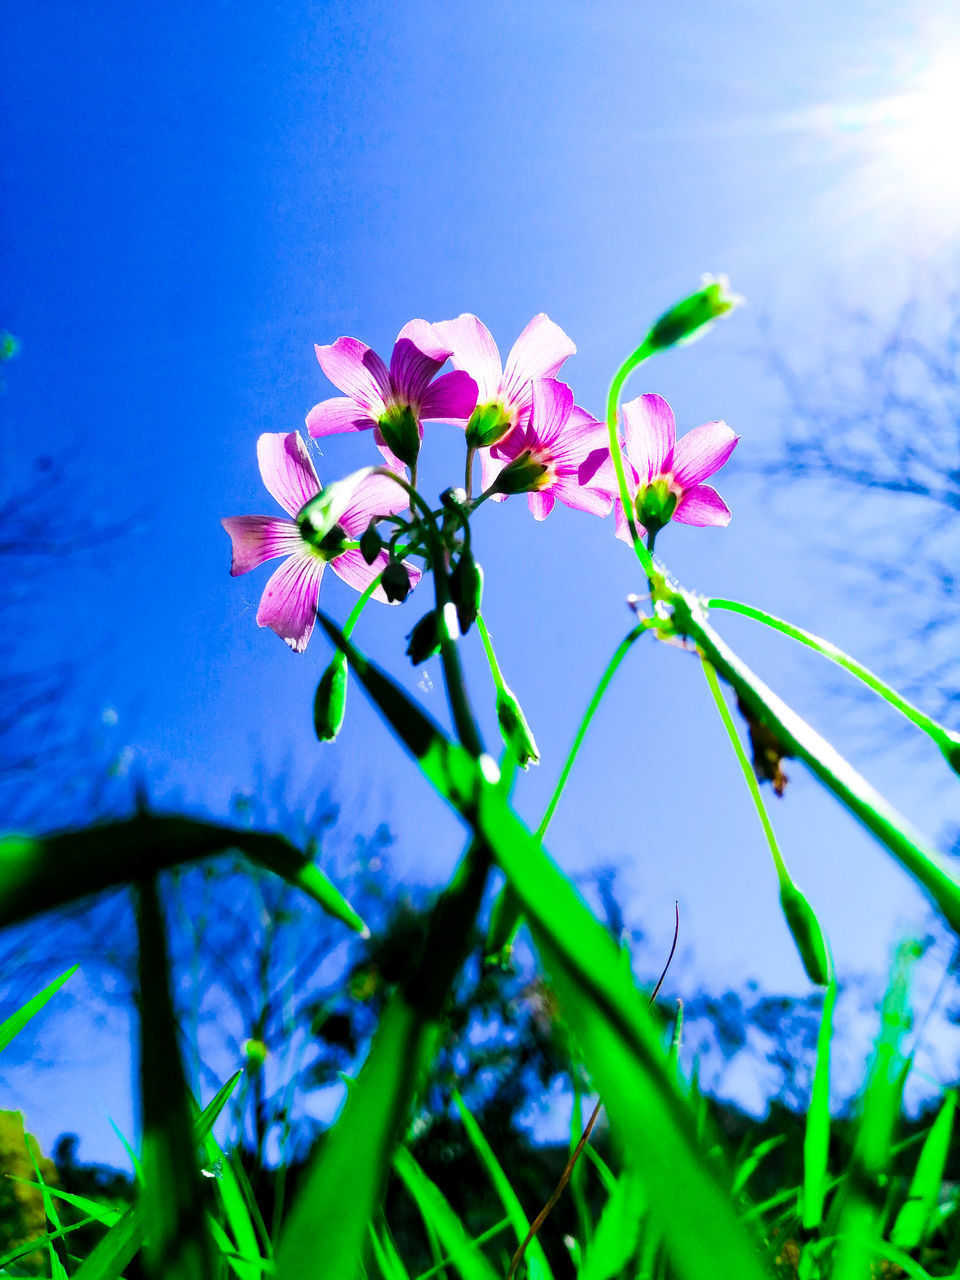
x: 466, y: 587
x: 521, y: 475
x: 691, y: 317
x: 330, y: 700
x: 321, y: 515
x: 487, y: 424
x: 401, y: 433
x: 655, y: 505
x: 255, y: 1052
x: 517, y: 734
x: 452, y: 499
x: 371, y: 544
x: 807, y: 934
x: 395, y: 582
x: 424, y: 640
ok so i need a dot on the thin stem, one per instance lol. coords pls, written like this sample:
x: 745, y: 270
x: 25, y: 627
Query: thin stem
x: 359, y: 607
x: 613, y: 410
x: 491, y: 656
x: 609, y: 673
x: 944, y: 739
x: 468, y: 471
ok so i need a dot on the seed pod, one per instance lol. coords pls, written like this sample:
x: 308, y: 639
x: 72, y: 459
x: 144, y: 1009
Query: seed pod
x: 517, y: 734
x: 330, y: 701
x: 466, y: 587
x: 371, y: 544
x: 807, y: 934
x: 691, y: 317
x: 395, y: 582
x: 424, y: 640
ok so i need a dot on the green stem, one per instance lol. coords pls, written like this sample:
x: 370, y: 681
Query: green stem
x: 613, y: 410
x: 491, y: 656
x: 359, y: 607
x: 468, y: 471
x: 946, y: 740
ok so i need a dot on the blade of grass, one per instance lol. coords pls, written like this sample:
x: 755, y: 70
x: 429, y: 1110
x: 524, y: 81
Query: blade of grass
x: 463, y: 1252
x: 13, y: 1025
x: 913, y: 1220
x: 816, y: 1138
x: 618, y: 1231
x: 490, y: 1234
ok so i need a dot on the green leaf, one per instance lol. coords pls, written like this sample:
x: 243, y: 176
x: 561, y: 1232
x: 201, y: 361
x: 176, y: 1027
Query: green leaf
x: 177, y: 1237
x: 95, y: 1212
x: 535, y: 1258
x: 13, y: 1025
x: 248, y: 1264
x: 40, y: 874
x: 618, y: 1231
x: 438, y: 1216
x: 748, y: 1167
x: 914, y: 1218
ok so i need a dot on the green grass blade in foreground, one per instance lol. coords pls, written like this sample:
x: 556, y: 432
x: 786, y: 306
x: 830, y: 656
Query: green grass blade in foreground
x: 606, y: 1011
x: 914, y: 1218
x: 385, y: 1252
x: 462, y: 1251
x: 38, y: 874
x: 248, y: 1264
x: 816, y: 1137
x: 618, y: 1231
x: 177, y: 1238
x: 947, y: 741
x: 825, y: 762
x: 327, y: 1228
x: 536, y: 1260
x: 13, y: 1025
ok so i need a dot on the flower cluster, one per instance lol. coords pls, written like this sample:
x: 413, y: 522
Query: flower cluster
x: 519, y: 420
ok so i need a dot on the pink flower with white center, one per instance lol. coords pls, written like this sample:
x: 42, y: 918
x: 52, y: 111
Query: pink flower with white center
x: 544, y: 459
x: 393, y: 402
x: 289, y: 601
x: 504, y: 396
x: 665, y: 474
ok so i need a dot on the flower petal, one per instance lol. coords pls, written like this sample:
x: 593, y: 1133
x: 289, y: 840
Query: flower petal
x: 356, y: 573
x: 450, y: 398
x: 286, y: 469
x: 540, y: 502
x: 622, y: 528
x: 552, y: 406
x: 538, y: 353
x: 330, y: 417
x: 417, y: 356
x: 490, y: 468
x: 352, y: 367
x: 582, y: 435
x: 374, y: 496
x: 583, y: 497
x: 289, y: 601
x: 650, y: 430
x: 473, y: 349
x: 702, y: 506
x: 701, y: 452
x: 259, y: 538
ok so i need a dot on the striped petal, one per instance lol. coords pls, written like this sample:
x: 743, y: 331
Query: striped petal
x: 701, y: 452
x: 650, y: 430
x: 287, y: 470
x: 289, y: 601
x: 702, y: 506
x: 259, y: 538
x: 359, y: 372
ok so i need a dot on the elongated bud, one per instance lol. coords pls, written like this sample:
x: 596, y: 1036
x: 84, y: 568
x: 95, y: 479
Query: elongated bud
x: 320, y: 515
x: 521, y: 475
x: 401, y: 433
x: 330, y: 700
x: 690, y: 318
x: 517, y: 734
x: 423, y: 640
x: 488, y: 423
x: 395, y: 582
x: 371, y: 544
x: 466, y: 587
x: 807, y: 934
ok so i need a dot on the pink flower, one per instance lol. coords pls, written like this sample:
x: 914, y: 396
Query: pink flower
x: 664, y: 474
x: 544, y: 459
x: 289, y: 601
x: 395, y: 402
x: 504, y: 396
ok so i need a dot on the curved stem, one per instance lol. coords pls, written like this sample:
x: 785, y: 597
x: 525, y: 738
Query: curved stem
x: 359, y: 607
x: 613, y: 408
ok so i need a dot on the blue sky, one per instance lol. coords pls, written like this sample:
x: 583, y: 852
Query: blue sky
x: 194, y: 195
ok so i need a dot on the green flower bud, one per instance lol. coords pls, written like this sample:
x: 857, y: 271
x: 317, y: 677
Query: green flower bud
x: 452, y: 499
x: 488, y: 423
x: 466, y: 587
x: 395, y: 582
x: 424, y: 639
x: 330, y: 700
x: 371, y: 544
x: 807, y: 934
x: 320, y: 515
x: 401, y: 433
x: 691, y: 317
x: 521, y: 475
x: 517, y: 734
x: 255, y: 1052
x: 655, y: 505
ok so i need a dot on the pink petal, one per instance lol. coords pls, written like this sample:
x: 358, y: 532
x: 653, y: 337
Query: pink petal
x: 473, y: 349
x: 540, y: 502
x: 583, y: 497
x: 374, y: 496
x: 286, y: 469
x: 597, y: 469
x: 289, y: 601
x: 552, y: 406
x: 450, y: 398
x: 701, y: 452
x: 330, y: 417
x: 538, y: 353
x: 650, y: 430
x: 259, y: 538
x: 356, y: 573
x: 702, y: 506
x: 417, y: 356
x: 622, y: 528
x: 352, y: 367
x: 490, y: 468
x: 582, y: 435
